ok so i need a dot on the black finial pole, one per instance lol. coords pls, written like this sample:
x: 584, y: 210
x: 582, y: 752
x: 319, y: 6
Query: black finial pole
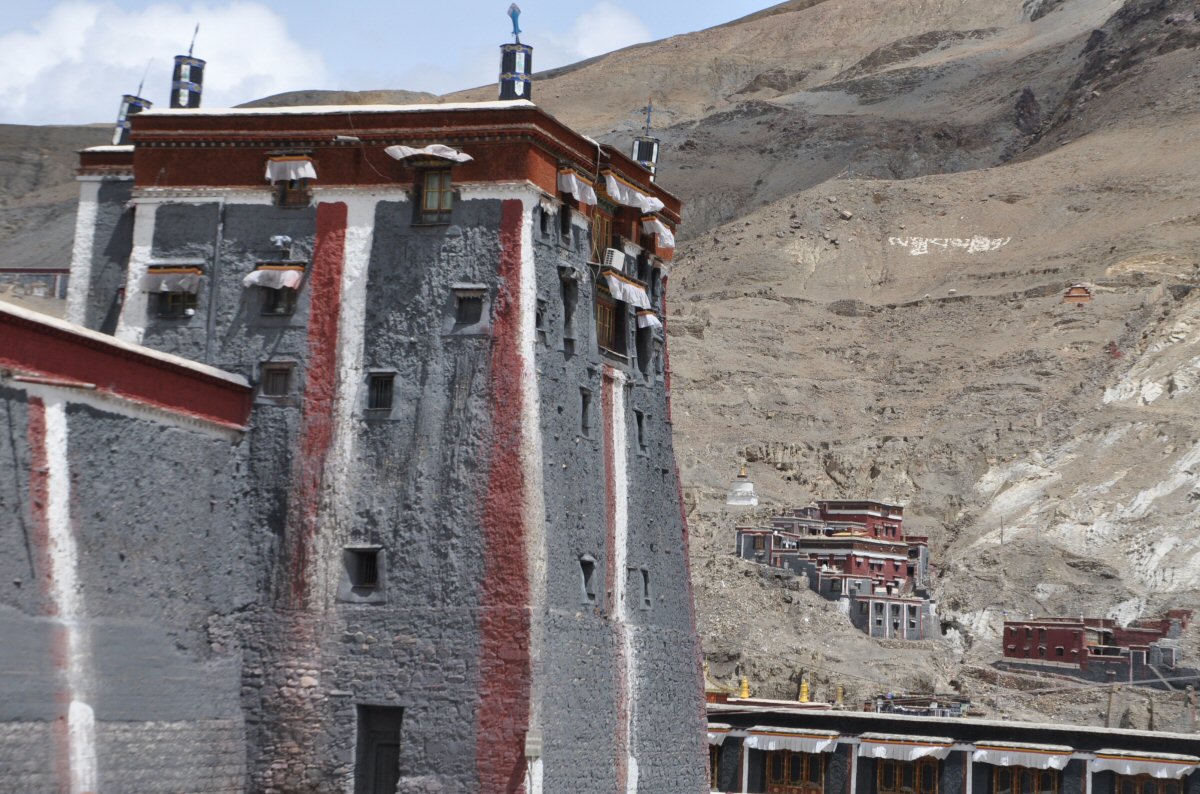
x: 143, y: 82
x: 195, y: 33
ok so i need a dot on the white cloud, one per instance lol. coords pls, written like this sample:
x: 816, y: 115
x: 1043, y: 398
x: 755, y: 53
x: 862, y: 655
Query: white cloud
x: 73, y: 64
x: 602, y: 28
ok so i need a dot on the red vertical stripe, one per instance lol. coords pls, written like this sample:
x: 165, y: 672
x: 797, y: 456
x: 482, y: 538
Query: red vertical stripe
x: 39, y: 502
x: 505, y: 676
x: 320, y: 389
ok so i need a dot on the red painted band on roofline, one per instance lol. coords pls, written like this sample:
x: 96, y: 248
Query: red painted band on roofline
x: 56, y: 353
x: 505, y: 667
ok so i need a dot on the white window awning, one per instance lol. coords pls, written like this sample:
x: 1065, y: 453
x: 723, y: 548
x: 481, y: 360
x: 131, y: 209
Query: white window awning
x: 572, y: 183
x: 903, y: 748
x: 289, y: 169
x: 275, y: 277
x: 1165, y: 766
x: 625, y: 290
x: 648, y: 318
x: 797, y: 740
x: 717, y: 731
x: 666, y: 238
x: 1033, y: 756
x: 171, y: 279
x: 623, y: 194
x: 438, y: 150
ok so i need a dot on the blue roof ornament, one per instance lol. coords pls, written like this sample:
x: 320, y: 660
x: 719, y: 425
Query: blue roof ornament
x: 514, y: 11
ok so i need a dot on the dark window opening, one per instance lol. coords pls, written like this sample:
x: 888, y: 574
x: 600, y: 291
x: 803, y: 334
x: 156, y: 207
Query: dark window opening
x: 585, y: 412
x: 377, y: 760
x: 468, y: 309
x: 570, y: 297
x: 640, y: 419
x: 292, y: 193
x: 379, y: 391
x: 611, y: 319
x: 543, y: 222
x: 278, y: 302
x: 587, y: 573
x: 362, y: 565
x: 646, y: 600
x: 645, y: 349
x: 276, y: 380
x: 564, y: 225
x: 643, y: 267
x: 175, y: 305
x: 437, y: 197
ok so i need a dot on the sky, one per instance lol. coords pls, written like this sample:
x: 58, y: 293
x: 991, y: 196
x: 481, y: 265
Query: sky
x: 69, y: 61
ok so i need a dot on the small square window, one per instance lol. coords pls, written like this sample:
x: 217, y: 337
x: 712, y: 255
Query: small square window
x: 468, y: 308
x: 379, y: 391
x: 292, y: 193
x: 278, y: 302
x: 276, y: 380
x: 437, y: 196
x: 175, y: 305
x: 364, y: 575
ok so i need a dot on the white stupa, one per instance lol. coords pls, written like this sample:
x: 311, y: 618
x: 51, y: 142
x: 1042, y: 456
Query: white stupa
x: 741, y: 491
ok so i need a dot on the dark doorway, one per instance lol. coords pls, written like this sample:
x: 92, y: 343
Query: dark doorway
x: 377, y: 766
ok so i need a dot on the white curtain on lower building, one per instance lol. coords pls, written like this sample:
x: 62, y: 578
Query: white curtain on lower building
x: 569, y: 182
x: 627, y: 291
x: 170, y: 282
x: 289, y: 169
x: 1160, y: 765
x: 666, y: 238
x: 798, y: 741
x: 904, y: 748
x: 1032, y: 756
x: 623, y: 194
x: 438, y: 150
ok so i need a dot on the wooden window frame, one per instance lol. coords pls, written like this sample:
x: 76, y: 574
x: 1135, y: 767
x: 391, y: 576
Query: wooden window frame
x: 1135, y: 784
x: 293, y: 193
x: 436, y: 184
x: 906, y: 776
x: 376, y: 391
x: 272, y: 371
x: 278, y: 302
x: 611, y: 325
x: 802, y: 773
x: 175, y: 305
x: 1018, y: 776
x: 602, y: 233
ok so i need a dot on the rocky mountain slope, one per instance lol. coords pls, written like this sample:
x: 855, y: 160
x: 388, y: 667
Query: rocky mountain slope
x: 886, y: 201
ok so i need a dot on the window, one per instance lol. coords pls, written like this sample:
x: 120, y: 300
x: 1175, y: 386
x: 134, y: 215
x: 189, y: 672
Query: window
x: 610, y: 325
x: 379, y: 391
x: 543, y: 222
x: 795, y: 773
x: 377, y: 759
x: 714, y: 766
x: 292, y: 193
x: 587, y: 573
x: 760, y: 543
x: 1145, y: 784
x: 362, y: 564
x: 646, y: 599
x: 907, y: 777
x: 468, y: 308
x: 1020, y: 780
x: 278, y: 302
x: 602, y: 234
x: 570, y: 297
x: 276, y: 380
x: 1060, y: 651
x: 585, y: 412
x: 364, y: 575
x: 539, y: 320
x: 640, y: 419
x: 862, y: 607
x: 437, y: 197
x: 835, y: 585
x: 174, y: 305
x: 564, y: 225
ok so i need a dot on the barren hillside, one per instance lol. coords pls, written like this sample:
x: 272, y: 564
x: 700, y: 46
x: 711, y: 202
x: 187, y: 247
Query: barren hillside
x: 886, y: 201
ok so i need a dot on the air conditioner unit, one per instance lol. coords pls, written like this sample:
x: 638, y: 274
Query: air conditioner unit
x: 614, y: 259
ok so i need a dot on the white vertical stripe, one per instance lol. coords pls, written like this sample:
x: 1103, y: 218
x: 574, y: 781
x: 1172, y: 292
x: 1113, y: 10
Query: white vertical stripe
x: 619, y: 430
x: 132, y: 326
x: 352, y: 316
x: 82, y: 251
x: 534, y: 507
x: 65, y: 592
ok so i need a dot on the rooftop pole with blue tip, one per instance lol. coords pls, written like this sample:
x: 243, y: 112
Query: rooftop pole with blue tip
x: 516, y: 63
